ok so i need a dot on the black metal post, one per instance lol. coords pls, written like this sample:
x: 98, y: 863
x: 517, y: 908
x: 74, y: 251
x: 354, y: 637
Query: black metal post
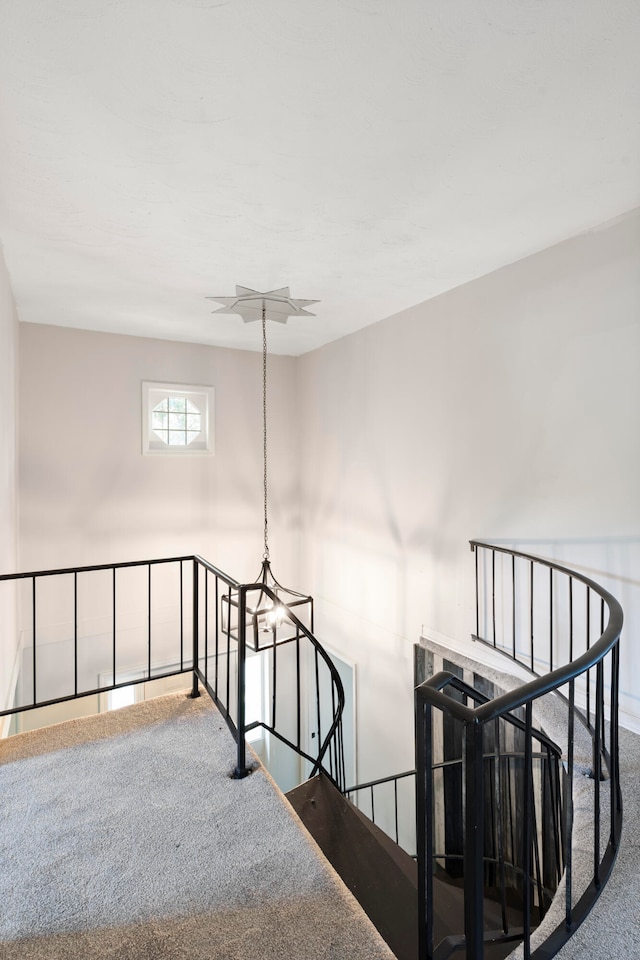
x: 424, y: 817
x: 597, y: 770
x: 149, y: 621
x: 474, y: 842
x: 476, y: 551
x: 568, y: 811
x: 181, y: 618
x: 493, y: 595
x: 527, y: 831
x: 196, y: 612
x: 75, y: 633
x: 33, y: 620
x: 206, y: 627
x: 241, y: 769
x: 513, y: 605
x: 113, y: 627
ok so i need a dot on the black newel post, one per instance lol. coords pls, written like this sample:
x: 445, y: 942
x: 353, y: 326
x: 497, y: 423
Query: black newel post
x: 196, y: 612
x: 241, y: 767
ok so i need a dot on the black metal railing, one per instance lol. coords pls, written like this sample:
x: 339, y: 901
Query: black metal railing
x: 389, y: 802
x: 539, y: 627
x: 311, y: 677
x: 94, y: 629
x: 498, y: 815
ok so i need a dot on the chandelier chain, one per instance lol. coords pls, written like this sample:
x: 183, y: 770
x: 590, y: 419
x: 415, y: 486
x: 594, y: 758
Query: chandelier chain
x: 264, y: 426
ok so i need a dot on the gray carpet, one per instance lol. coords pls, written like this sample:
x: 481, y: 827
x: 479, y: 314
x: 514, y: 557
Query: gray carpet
x: 123, y: 835
x: 612, y: 929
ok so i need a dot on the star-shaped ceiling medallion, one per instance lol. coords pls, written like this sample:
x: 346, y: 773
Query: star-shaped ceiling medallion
x: 278, y: 305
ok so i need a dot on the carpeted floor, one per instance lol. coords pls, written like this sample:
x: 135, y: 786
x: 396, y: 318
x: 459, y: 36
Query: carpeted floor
x: 123, y: 836
x: 612, y: 929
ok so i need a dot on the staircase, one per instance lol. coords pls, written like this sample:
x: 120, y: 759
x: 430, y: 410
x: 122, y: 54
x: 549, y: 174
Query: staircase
x: 384, y: 878
x: 494, y: 795
x: 381, y: 876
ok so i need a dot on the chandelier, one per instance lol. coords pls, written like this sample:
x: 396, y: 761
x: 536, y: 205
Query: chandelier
x: 267, y: 622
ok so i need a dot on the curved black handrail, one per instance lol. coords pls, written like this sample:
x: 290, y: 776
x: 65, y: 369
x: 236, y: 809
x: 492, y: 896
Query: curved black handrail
x: 335, y: 728
x: 474, y: 719
x: 561, y: 675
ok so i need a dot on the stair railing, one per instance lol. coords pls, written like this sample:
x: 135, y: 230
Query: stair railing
x: 90, y: 630
x: 509, y: 594
x: 363, y: 796
x: 223, y: 641
x: 77, y: 640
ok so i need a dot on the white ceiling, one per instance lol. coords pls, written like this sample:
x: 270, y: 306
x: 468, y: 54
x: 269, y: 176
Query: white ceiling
x: 368, y: 153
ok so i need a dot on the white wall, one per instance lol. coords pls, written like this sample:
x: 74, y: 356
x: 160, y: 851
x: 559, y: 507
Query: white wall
x: 506, y: 409
x: 8, y: 481
x: 88, y: 495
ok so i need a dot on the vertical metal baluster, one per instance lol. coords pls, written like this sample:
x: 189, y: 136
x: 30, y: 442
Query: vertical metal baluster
x: 597, y: 769
x: 526, y: 853
x: 476, y: 550
x: 275, y: 676
x: 424, y: 824
x: 510, y: 776
x: 75, y: 633
x: 613, y: 730
x: 149, y: 620
x: 241, y: 629
x: 513, y: 604
x: 474, y: 841
x: 588, y: 675
x: 298, y: 718
x: 373, y: 812
x: 568, y: 810
x: 536, y: 850
x: 195, y: 630
x: 206, y: 625
x: 499, y: 817
x: 181, y: 619
x: 241, y: 770
x: 333, y: 755
x: 33, y: 621
x: 493, y: 594
x: 531, y: 616
x: 550, y: 618
x: 395, y: 797
x: 570, y: 619
x: 217, y: 635
x: 553, y: 799
x: 318, y: 700
x: 113, y: 625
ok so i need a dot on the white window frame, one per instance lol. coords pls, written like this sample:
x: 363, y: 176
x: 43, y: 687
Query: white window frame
x: 154, y: 393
